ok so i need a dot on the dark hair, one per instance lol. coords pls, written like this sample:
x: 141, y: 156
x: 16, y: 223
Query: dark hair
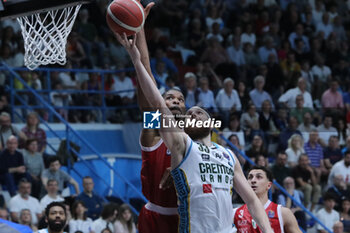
x: 108, y: 210
x: 172, y: 89
x: 74, y: 207
x: 23, y: 180
x: 50, y: 181
x: 129, y: 224
x: 87, y: 177
x: 53, y: 159
x: 266, y: 170
x: 29, y: 141
x: 329, y: 196
x: 53, y: 204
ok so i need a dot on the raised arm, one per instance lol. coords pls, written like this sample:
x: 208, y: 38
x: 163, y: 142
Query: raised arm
x: 174, y: 138
x: 255, y: 207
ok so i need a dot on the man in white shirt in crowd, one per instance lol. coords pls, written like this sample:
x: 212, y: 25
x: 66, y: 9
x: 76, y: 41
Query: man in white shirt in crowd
x: 327, y: 215
x: 289, y: 97
x: 123, y: 83
x: 23, y: 200
x: 258, y: 95
x: 52, y: 194
x: 206, y: 96
x: 235, y: 52
x: 324, y: 26
x: 227, y: 100
x: 341, y: 167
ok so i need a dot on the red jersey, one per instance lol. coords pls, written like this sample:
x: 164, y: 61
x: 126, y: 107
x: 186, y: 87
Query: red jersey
x: 246, y: 224
x: 155, y: 160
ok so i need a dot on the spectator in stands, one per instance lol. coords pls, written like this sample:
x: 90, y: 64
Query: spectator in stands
x: 268, y: 48
x: 342, y: 131
x: 52, y: 194
x: 250, y: 122
x: 243, y: 94
x: 267, y: 122
x: 124, y: 86
x: 294, y: 150
x: 324, y: 27
x: 326, y: 126
x: 332, y: 152
x: 299, y: 111
x: 160, y: 72
x: 331, y: 98
x: 341, y: 167
x: 4, y: 105
x: 261, y: 161
x: 280, y: 170
x: 235, y: 52
x: 327, y: 215
x: 306, y: 125
x: 60, y: 100
x: 248, y: 36
x: 80, y: 221
x: 284, y: 200
x: 215, y: 53
x: 306, y: 181
x: 321, y: 74
x: 347, y: 146
x: 23, y: 200
x: 287, y: 133
x: 274, y: 75
x: 32, y: 130
x: 256, y: 148
x: 234, y: 125
x: 281, y: 120
x: 227, y: 100
x: 206, y: 97
x: 345, y: 214
x: 258, y: 95
x: 160, y: 56
x: 75, y: 52
x: 33, y: 161
x: 125, y: 221
x: 25, y: 218
x: 315, y: 153
x: 93, y: 202
x: 190, y: 90
x: 290, y: 67
x: 290, y: 96
x: 338, y: 227
x: 196, y: 37
x: 339, y: 191
x: 308, y: 75
x: 299, y: 34
x: 215, y: 32
x: 7, y: 129
x: 92, y: 99
x: 108, y: 216
x: 54, y: 172
x: 338, y: 29
x: 12, y: 167
x: 4, y: 214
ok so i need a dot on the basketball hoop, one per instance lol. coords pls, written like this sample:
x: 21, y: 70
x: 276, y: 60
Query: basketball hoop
x: 45, y: 35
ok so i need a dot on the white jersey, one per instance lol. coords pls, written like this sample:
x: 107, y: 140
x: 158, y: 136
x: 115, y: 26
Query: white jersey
x: 204, y: 182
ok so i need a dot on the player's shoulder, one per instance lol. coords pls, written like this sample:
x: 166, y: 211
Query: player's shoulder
x: 286, y: 212
x: 150, y: 139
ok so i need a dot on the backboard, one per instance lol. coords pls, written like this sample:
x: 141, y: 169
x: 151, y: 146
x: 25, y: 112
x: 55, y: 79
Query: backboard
x: 17, y: 8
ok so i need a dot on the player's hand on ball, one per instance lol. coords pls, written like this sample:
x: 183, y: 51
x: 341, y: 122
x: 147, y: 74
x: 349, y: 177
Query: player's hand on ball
x: 129, y: 45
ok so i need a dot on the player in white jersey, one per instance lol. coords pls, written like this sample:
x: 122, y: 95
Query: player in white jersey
x: 56, y: 217
x: 203, y: 176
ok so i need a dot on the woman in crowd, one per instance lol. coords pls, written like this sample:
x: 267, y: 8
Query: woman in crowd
x: 79, y: 221
x: 33, y: 161
x: 32, y: 130
x: 125, y: 222
x: 295, y: 149
x: 345, y: 214
x: 25, y: 218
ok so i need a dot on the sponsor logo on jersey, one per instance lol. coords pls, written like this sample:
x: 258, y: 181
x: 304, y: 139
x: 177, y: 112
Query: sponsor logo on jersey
x: 207, y: 188
x: 271, y: 214
x: 218, y: 156
x: 241, y: 212
x: 151, y: 120
x: 242, y: 222
x: 226, y: 156
x: 254, y: 224
x: 205, y: 157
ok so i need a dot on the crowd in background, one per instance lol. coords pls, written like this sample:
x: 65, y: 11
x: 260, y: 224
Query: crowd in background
x: 277, y: 73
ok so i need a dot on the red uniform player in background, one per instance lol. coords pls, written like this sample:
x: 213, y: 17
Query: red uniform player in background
x: 281, y: 218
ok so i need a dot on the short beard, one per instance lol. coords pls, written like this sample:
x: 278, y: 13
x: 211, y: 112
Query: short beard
x: 54, y: 226
x: 197, y: 133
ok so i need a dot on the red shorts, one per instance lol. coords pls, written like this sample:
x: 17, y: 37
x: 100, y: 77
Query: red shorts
x: 153, y: 222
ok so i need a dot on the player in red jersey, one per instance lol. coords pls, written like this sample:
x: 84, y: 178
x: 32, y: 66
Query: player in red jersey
x: 281, y: 218
x: 159, y: 215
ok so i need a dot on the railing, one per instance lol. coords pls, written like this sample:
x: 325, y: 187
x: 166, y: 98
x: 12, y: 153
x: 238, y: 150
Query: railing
x: 280, y: 187
x: 71, y: 135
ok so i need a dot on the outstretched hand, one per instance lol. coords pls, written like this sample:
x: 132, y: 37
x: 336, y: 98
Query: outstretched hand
x: 129, y: 45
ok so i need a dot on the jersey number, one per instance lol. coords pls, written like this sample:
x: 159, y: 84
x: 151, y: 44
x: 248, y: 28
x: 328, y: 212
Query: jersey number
x: 203, y: 148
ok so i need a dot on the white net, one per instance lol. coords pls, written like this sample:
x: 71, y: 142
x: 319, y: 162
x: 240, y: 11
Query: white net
x: 45, y: 36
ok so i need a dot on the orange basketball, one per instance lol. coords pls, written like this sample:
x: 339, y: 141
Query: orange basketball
x: 125, y: 16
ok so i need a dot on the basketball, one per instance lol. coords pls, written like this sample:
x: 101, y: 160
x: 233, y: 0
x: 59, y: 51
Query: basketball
x: 125, y: 16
